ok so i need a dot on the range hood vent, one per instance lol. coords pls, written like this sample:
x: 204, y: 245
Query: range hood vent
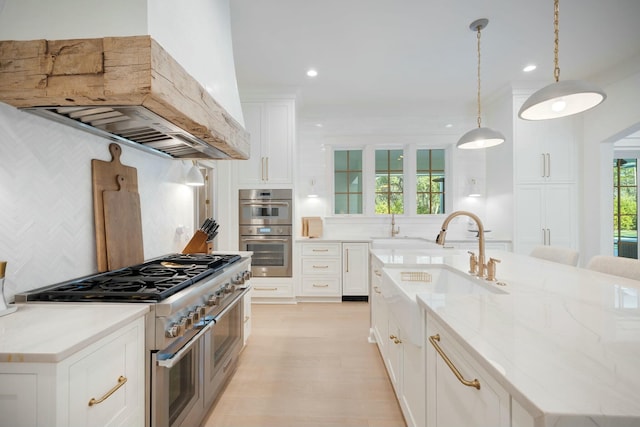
x: 127, y: 89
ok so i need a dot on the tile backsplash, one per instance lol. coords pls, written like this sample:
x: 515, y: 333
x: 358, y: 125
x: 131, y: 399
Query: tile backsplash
x: 46, y: 202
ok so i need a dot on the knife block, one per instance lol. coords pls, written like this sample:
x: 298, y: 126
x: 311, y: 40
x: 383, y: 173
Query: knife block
x: 198, y: 244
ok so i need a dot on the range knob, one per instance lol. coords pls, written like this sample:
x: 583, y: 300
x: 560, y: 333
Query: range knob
x: 228, y: 289
x: 188, y: 321
x: 175, y: 330
x: 213, y: 300
x: 201, y: 309
x: 238, y: 280
x: 246, y: 275
x: 194, y: 316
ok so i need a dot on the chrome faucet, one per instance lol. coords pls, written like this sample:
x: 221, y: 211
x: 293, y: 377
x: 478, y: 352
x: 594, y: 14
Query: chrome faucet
x: 481, y: 266
x: 394, y: 230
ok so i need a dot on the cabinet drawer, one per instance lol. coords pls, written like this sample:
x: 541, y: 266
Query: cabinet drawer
x: 321, y: 266
x: 106, y: 385
x: 271, y: 291
x: 319, y: 286
x: 322, y: 249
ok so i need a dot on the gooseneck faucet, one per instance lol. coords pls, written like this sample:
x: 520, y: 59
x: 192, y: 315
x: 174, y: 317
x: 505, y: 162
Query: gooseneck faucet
x: 443, y: 232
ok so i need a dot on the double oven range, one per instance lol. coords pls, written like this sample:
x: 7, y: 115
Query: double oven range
x: 194, y: 330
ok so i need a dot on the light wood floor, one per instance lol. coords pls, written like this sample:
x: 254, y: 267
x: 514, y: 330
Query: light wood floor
x: 308, y: 365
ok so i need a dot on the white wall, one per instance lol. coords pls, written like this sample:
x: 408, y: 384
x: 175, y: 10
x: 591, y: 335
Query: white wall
x: 196, y: 33
x: 617, y: 117
x: 46, y: 216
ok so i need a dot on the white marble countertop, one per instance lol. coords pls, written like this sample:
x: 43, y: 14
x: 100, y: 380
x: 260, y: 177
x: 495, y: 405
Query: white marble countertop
x: 564, y: 341
x: 50, y: 332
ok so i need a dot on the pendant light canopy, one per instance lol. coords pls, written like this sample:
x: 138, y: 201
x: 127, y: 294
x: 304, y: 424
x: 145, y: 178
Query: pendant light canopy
x: 560, y: 99
x: 479, y: 137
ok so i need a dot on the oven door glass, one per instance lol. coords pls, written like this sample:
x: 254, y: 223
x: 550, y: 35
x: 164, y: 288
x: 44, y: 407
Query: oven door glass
x: 222, y: 345
x: 177, y: 389
x: 271, y: 255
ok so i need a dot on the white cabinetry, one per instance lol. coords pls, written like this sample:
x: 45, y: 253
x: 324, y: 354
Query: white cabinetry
x: 321, y: 268
x: 450, y: 402
x: 355, y: 270
x: 545, y: 171
x: 379, y: 312
x: 100, y: 385
x: 271, y: 125
x: 334, y: 269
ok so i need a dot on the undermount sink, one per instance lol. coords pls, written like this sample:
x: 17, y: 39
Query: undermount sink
x: 401, y: 284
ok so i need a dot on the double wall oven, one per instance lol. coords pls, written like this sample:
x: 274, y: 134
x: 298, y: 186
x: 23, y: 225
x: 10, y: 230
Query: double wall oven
x: 194, y: 331
x: 265, y: 229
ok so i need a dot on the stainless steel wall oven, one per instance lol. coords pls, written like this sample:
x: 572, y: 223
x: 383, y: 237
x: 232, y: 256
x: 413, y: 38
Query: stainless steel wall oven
x: 265, y: 229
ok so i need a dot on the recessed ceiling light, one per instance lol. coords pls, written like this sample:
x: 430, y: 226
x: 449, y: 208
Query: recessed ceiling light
x: 448, y: 125
x: 318, y: 125
x: 312, y: 73
x: 529, y: 68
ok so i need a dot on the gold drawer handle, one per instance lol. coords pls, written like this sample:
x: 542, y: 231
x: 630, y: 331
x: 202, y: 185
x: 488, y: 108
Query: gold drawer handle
x: 121, y: 381
x: 320, y: 266
x: 377, y: 273
x: 320, y: 286
x: 475, y: 383
x: 265, y: 289
x: 320, y: 250
x: 375, y: 288
x: 395, y: 339
x: 246, y: 319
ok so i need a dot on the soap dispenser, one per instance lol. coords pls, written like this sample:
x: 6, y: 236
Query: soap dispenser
x: 4, y: 308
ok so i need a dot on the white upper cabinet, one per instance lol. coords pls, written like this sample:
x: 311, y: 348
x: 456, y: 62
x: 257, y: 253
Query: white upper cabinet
x: 545, y: 151
x: 271, y: 125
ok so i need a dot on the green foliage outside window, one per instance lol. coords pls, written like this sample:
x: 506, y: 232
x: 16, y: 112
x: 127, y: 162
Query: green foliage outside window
x: 389, y: 182
x: 430, y: 182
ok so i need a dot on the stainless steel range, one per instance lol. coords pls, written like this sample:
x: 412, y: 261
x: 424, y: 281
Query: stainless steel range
x: 194, y: 331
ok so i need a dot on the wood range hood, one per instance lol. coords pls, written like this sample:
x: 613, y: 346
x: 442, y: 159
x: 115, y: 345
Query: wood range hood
x: 128, y: 89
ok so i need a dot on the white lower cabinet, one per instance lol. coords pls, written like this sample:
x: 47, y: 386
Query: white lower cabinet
x: 100, y: 385
x: 355, y: 269
x: 379, y: 312
x: 481, y: 401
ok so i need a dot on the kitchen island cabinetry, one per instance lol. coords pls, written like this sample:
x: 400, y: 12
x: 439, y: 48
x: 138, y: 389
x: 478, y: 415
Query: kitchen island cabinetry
x: 271, y: 125
x: 480, y: 402
x: 101, y: 384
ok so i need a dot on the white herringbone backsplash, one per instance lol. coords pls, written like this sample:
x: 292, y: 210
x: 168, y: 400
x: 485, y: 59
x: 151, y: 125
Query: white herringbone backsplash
x: 46, y: 202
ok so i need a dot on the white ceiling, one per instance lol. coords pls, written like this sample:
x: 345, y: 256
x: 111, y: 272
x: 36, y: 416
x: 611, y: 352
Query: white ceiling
x: 415, y: 60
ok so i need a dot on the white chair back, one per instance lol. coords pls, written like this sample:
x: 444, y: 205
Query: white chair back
x: 556, y: 254
x: 617, y: 266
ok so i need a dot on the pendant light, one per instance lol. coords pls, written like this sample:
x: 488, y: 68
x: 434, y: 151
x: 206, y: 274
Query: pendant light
x: 479, y: 137
x: 194, y: 177
x: 560, y: 99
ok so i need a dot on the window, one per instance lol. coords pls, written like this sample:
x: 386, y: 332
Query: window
x: 347, y: 181
x: 389, y: 182
x: 430, y: 181
x: 625, y: 208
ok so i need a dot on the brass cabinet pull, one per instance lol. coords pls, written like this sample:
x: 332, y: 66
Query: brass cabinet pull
x: 434, y: 341
x: 347, y: 252
x: 326, y: 285
x: 246, y: 319
x: 393, y: 337
x: 377, y: 273
x: 319, y: 250
x: 121, y: 381
x: 260, y: 288
x: 320, y: 266
x: 375, y: 288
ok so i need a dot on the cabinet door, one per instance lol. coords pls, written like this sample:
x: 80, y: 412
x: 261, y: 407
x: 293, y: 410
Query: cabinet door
x: 250, y: 170
x: 277, y: 150
x: 394, y: 355
x: 560, y: 217
x: 121, y: 371
x: 18, y: 402
x: 457, y: 404
x: 529, y: 218
x: 355, y: 269
x: 413, y: 383
x: 379, y: 315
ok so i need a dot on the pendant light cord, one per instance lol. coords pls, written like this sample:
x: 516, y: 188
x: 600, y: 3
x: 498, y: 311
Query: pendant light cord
x: 479, y: 109
x: 556, y: 29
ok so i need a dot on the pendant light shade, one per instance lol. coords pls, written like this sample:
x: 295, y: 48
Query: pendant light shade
x: 194, y: 177
x: 479, y: 137
x: 560, y: 99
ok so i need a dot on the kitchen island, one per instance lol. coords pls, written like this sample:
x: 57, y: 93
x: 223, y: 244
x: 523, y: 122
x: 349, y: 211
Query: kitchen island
x: 551, y: 345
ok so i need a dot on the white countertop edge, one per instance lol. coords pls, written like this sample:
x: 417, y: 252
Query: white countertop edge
x: 65, y: 341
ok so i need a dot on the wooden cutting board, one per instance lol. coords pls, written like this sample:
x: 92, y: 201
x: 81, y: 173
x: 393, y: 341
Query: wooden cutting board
x: 104, y: 178
x: 122, y: 226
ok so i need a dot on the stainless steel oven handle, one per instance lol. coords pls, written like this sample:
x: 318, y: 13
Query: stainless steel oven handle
x: 232, y: 303
x: 267, y: 239
x: 265, y: 203
x: 170, y: 362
